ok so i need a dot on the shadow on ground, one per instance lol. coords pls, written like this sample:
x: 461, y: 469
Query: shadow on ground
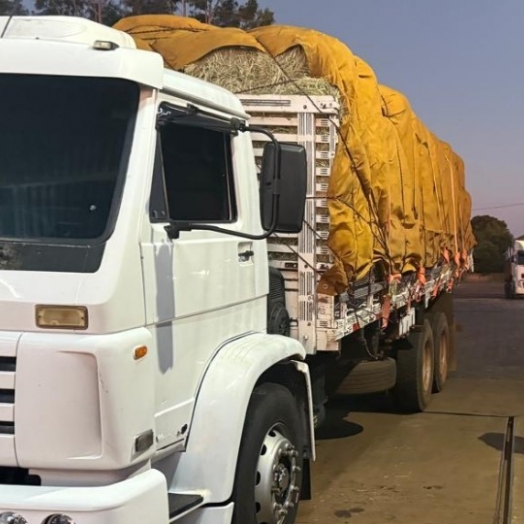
x: 337, y: 425
x: 497, y: 440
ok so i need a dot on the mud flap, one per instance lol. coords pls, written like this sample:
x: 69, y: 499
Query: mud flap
x: 305, y: 492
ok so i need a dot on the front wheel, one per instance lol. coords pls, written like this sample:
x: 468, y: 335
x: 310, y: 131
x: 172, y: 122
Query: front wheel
x: 509, y: 290
x: 269, y: 474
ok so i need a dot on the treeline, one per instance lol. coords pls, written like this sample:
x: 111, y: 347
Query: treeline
x: 224, y: 13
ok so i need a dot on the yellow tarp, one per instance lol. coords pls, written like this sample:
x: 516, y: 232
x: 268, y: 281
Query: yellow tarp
x: 396, y: 194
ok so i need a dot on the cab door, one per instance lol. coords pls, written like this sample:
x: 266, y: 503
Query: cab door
x: 202, y: 288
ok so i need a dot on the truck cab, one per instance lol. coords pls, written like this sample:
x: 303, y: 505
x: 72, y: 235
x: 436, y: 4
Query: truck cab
x: 514, y: 270
x: 138, y: 380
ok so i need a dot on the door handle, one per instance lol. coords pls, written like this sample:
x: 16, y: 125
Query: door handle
x: 244, y: 256
x: 245, y: 251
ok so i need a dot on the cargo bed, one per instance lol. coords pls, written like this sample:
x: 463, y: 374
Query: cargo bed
x: 321, y: 321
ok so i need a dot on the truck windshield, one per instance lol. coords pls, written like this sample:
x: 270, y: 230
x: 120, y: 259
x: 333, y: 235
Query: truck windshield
x: 64, y: 147
x: 520, y: 258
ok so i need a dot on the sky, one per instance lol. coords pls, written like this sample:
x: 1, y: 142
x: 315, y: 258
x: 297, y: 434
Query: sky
x: 460, y: 63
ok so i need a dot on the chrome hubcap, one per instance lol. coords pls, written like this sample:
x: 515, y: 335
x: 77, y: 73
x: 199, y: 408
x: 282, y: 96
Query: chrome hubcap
x: 277, y: 482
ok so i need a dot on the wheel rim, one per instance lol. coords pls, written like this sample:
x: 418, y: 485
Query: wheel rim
x: 427, y: 367
x: 277, y: 481
x: 443, y: 357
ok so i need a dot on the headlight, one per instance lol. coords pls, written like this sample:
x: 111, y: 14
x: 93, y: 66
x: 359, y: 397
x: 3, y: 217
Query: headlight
x: 11, y: 518
x: 58, y: 519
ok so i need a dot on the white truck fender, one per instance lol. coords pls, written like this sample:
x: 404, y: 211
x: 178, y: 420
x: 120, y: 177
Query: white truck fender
x: 213, y: 444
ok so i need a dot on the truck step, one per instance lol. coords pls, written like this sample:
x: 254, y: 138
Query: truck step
x: 182, y: 503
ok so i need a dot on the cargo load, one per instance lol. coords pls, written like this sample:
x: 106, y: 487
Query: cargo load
x: 396, y: 197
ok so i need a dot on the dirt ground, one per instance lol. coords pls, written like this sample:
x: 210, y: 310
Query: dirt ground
x: 442, y: 466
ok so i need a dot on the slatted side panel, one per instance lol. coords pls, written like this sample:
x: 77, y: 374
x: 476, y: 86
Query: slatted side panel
x: 303, y: 257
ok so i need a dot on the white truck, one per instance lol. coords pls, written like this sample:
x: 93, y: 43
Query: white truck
x: 514, y: 270
x: 160, y: 360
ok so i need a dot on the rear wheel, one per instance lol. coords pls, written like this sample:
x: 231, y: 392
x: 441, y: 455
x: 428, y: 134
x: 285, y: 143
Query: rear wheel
x: 269, y: 475
x: 367, y: 377
x: 439, y: 325
x: 415, y: 365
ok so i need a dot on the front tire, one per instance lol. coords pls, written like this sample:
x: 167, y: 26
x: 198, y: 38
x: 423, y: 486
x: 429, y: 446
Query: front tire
x: 509, y: 290
x: 269, y: 475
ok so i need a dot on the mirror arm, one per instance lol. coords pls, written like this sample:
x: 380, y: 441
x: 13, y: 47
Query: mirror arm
x: 174, y: 229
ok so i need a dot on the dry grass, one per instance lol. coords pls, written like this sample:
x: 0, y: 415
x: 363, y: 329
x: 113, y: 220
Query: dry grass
x: 246, y: 71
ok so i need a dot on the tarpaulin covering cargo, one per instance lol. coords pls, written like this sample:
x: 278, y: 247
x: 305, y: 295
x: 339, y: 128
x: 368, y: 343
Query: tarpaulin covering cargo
x: 396, y: 193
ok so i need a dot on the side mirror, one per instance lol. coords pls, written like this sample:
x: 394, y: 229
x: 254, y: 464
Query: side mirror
x: 288, y: 178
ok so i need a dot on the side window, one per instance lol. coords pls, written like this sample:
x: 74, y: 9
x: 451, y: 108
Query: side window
x: 198, y: 178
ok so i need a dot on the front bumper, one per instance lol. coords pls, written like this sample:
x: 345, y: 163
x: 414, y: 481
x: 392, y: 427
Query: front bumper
x: 138, y: 500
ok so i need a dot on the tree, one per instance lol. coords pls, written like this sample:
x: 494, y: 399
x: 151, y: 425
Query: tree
x: 103, y: 11
x: 12, y: 8
x: 151, y: 7
x: 224, y: 13
x: 251, y: 16
x: 60, y: 7
x: 493, y: 239
x: 229, y: 13
x: 107, y: 12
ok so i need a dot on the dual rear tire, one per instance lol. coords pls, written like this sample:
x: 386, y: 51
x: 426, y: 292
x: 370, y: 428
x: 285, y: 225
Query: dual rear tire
x: 422, y: 366
x: 442, y: 353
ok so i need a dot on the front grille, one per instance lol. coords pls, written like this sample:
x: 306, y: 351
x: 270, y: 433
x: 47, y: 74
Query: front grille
x: 7, y: 428
x: 18, y: 477
x: 7, y: 364
x: 7, y: 395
